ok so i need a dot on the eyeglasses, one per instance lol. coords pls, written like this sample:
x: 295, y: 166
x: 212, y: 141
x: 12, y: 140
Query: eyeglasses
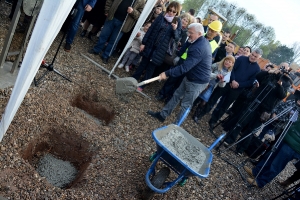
x: 173, y: 11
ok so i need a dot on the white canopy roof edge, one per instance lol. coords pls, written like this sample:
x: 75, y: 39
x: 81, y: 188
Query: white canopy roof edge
x: 146, y: 11
x: 50, y: 20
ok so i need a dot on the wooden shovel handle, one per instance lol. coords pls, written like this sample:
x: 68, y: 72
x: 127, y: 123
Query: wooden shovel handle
x: 148, y: 81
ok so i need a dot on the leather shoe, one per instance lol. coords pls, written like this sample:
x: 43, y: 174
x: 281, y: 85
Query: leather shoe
x: 252, y: 181
x: 249, y: 171
x: 91, y: 51
x: 211, y: 124
x: 156, y: 115
x: 104, y: 60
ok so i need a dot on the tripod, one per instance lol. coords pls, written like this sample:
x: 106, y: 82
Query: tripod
x: 50, y: 67
x: 243, y: 120
x: 251, y: 108
x: 239, y: 166
x: 229, y: 112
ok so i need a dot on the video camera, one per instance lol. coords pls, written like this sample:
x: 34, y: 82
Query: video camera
x: 283, y: 71
x: 282, y: 75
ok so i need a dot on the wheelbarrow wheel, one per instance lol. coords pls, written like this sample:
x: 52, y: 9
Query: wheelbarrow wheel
x: 157, y: 181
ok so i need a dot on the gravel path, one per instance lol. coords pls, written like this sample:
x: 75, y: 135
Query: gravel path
x: 121, y: 149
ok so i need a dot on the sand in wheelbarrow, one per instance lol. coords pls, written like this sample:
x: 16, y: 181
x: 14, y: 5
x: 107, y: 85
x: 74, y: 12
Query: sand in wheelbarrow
x: 190, y: 154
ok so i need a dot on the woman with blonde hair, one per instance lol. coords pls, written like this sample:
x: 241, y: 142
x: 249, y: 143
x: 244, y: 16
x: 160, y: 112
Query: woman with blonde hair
x: 217, y: 78
x: 186, y: 20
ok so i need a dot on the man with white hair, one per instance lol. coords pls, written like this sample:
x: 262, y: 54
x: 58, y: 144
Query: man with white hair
x: 197, y: 70
x: 242, y: 76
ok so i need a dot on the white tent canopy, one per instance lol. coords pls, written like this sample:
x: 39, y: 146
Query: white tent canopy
x: 50, y: 20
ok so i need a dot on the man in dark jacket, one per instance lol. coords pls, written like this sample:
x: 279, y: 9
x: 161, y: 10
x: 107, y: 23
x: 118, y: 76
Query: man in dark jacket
x: 197, y: 68
x: 272, y: 89
x: 173, y: 83
x: 242, y: 76
x: 120, y: 14
x: 270, y: 166
x: 221, y: 51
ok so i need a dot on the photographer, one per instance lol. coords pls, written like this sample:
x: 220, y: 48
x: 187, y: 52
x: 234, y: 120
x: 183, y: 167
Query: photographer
x: 272, y: 89
x: 287, y: 150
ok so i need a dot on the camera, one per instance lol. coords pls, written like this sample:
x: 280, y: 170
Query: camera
x: 282, y: 70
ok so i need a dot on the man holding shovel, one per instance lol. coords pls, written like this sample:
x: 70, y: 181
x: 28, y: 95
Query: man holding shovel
x: 197, y: 70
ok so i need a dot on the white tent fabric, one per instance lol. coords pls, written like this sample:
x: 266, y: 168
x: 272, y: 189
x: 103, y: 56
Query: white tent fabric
x: 50, y: 20
x: 146, y: 11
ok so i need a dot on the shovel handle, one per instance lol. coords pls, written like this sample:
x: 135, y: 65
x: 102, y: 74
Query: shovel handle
x: 148, y: 81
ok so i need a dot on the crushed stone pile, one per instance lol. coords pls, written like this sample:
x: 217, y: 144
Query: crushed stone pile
x: 57, y: 172
x: 190, y: 154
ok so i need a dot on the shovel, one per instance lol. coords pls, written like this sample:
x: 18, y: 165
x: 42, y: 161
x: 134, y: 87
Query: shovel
x: 130, y: 84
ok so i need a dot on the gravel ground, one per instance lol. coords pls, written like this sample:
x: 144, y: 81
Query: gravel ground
x: 120, y: 150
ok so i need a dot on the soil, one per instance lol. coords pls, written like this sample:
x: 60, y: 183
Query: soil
x: 119, y: 146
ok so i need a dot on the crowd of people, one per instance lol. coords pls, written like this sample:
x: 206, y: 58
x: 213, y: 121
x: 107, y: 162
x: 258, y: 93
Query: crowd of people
x: 203, y: 73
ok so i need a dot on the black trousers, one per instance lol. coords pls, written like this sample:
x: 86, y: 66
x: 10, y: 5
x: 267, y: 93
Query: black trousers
x: 170, y: 86
x: 231, y: 96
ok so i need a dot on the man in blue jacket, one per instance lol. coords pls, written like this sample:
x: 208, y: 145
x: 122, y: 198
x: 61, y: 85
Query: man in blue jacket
x: 197, y: 70
x: 82, y: 5
x: 242, y: 76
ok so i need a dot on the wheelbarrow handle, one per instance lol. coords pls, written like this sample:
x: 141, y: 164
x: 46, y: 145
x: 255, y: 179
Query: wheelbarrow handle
x: 216, y: 142
x: 148, y: 81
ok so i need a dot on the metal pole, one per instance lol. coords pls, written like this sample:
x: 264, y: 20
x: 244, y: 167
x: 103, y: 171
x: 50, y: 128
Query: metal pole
x: 16, y: 62
x: 11, y: 32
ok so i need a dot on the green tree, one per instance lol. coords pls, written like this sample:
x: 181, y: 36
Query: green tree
x: 270, y: 47
x: 281, y: 54
x: 195, y: 4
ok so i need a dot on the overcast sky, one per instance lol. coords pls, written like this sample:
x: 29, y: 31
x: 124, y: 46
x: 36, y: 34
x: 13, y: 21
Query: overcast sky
x: 283, y: 16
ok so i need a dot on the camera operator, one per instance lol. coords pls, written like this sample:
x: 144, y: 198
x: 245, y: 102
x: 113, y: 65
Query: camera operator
x: 272, y: 87
x: 287, y: 150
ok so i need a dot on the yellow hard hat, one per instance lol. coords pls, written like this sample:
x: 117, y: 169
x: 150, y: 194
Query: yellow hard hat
x: 215, y: 25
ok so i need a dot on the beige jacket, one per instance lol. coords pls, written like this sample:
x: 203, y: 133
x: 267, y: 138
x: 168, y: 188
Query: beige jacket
x: 112, y: 5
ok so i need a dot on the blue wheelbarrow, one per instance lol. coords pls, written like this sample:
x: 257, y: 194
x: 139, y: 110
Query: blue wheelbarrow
x: 157, y: 183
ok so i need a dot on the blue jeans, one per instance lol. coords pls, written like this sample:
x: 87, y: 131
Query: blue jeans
x: 275, y: 164
x: 109, y: 31
x: 75, y: 23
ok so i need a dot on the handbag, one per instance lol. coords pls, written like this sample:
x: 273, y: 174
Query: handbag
x: 171, y: 53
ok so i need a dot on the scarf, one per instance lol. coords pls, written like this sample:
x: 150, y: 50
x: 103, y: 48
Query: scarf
x: 169, y: 18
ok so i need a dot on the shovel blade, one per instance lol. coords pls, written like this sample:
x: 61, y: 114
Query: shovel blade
x: 126, y: 85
